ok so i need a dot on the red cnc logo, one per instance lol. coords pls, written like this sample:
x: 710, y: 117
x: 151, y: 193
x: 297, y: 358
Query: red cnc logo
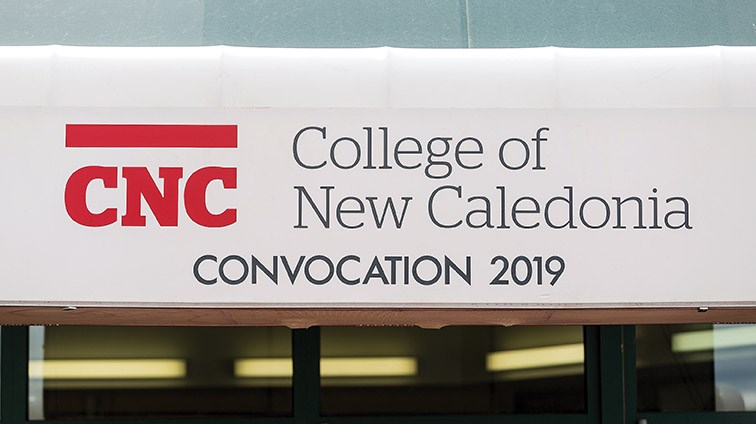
x: 140, y: 184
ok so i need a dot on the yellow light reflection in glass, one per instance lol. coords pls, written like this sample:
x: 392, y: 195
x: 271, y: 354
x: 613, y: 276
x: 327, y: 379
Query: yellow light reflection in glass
x: 263, y: 367
x: 330, y: 367
x: 539, y: 357
x: 99, y: 369
x: 368, y: 367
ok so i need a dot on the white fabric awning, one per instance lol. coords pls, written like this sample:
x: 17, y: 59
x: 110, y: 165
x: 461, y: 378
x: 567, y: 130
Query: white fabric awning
x: 221, y: 76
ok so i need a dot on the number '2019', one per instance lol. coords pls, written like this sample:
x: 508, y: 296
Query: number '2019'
x: 523, y: 270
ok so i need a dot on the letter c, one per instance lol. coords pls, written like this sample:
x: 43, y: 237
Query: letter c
x: 431, y: 200
x: 197, y: 275
x: 195, y: 196
x: 76, y: 195
x: 295, y: 147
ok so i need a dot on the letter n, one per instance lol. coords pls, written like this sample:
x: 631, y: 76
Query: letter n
x: 164, y: 206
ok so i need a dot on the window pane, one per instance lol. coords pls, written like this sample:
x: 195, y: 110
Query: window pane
x: 454, y: 370
x: 115, y: 372
x: 684, y: 368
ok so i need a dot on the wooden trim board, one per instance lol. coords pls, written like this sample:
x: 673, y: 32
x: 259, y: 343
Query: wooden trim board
x: 307, y: 317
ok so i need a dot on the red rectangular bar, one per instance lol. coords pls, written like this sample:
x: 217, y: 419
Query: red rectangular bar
x: 151, y: 136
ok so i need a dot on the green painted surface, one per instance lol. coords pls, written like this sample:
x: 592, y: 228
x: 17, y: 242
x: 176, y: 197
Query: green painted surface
x: 13, y: 369
x: 368, y: 23
x: 602, y: 23
x: 336, y: 23
x: 101, y: 22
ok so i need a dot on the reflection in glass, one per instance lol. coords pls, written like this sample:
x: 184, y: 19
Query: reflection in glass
x: 454, y: 370
x: 122, y: 372
x: 687, y: 368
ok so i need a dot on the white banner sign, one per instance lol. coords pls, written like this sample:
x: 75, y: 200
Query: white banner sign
x: 377, y: 207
